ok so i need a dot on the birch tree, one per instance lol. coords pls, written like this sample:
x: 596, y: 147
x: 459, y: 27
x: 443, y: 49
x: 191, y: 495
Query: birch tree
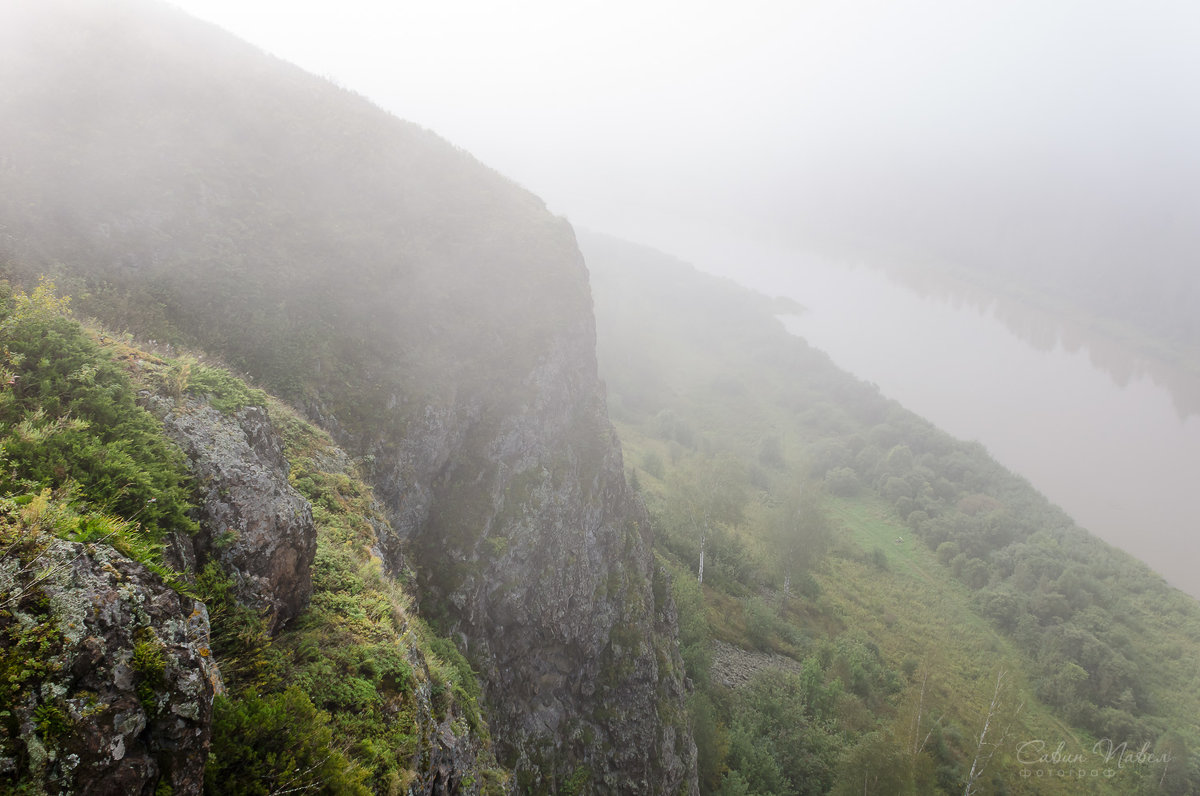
x: 799, y: 530
x: 706, y: 493
x: 997, y: 723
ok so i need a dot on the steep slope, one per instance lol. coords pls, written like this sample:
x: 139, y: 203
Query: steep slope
x: 428, y: 312
x: 902, y: 571
x: 131, y: 641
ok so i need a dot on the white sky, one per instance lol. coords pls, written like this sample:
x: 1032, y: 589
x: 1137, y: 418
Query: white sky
x: 670, y: 122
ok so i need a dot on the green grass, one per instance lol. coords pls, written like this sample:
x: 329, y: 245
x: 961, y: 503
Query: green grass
x: 360, y: 652
x: 339, y: 691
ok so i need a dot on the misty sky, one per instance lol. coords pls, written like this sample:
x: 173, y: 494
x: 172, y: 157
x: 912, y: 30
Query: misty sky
x: 678, y: 123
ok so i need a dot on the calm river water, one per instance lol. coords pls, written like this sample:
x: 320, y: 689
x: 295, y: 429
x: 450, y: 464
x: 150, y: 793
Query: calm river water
x: 1086, y: 423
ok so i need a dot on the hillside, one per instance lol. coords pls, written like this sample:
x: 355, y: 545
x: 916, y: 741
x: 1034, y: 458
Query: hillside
x: 189, y: 597
x: 908, y: 581
x: 429, y: 314
x: 442, y: 569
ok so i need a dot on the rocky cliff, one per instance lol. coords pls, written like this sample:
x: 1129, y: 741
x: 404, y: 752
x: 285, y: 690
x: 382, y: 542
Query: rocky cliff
x: 531, y: 547
x: 109, y: 670
x: 111, y: 674
x: 423, y: 308
x: 252, y: 521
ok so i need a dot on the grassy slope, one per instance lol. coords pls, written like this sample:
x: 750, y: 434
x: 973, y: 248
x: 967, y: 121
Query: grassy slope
x: 914, y: 612
x: 357, y: 690
x: 682, y: 350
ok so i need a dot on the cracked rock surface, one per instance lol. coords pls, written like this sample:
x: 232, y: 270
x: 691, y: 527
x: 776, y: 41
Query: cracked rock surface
x: 252, y: 521
x: 119, y: 698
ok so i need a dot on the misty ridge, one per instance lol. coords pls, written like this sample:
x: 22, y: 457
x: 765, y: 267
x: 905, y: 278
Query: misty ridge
x: 332, y: 461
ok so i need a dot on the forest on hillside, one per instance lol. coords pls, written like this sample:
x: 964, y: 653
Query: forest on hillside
x: 840, y: 531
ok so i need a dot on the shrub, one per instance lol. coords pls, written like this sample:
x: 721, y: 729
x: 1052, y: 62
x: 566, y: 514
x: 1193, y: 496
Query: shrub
x: 278, y: 743
x: 69, y: 416
x: 842, y: 481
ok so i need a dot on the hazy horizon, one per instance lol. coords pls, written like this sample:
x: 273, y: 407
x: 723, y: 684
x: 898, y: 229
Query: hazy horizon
x: 1020, y: 138
x: 924, y: 130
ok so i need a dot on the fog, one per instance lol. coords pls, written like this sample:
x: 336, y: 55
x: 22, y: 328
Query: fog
x: 984, y: 213
x: 936, y: 129
x: 1050, y: 142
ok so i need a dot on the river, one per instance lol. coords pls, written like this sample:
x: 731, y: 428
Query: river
x: 1112, y: 439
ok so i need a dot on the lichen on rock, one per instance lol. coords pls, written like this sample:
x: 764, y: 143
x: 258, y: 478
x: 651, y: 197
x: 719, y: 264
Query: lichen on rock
x: 108, y: 677
x: 252, y: 521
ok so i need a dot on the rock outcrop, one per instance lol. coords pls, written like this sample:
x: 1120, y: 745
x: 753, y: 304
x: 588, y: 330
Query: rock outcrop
x: 117, y: 677
x: 251, y: 521
x: 534, y: 550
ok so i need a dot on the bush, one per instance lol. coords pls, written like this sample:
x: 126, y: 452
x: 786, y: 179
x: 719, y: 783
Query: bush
x: 70, y: 417
x: 279, y: 743
x: 225, y: 392
x: 762, y: 625
x: 842, y: 481
x: 781, y: 737
x: 653, y: 464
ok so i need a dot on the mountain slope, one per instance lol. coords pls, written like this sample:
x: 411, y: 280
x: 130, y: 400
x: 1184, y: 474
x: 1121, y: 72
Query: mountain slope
x: 255, y: 646
x: 429, y: 313
x: 881, y: 556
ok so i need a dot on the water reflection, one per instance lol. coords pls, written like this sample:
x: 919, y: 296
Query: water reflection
x: 1104, y: 432
x: 1125, y: 362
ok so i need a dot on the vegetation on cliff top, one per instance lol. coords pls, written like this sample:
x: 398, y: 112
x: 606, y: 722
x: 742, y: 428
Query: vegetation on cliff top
x: 70, y: 422
x: 347, y: 699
